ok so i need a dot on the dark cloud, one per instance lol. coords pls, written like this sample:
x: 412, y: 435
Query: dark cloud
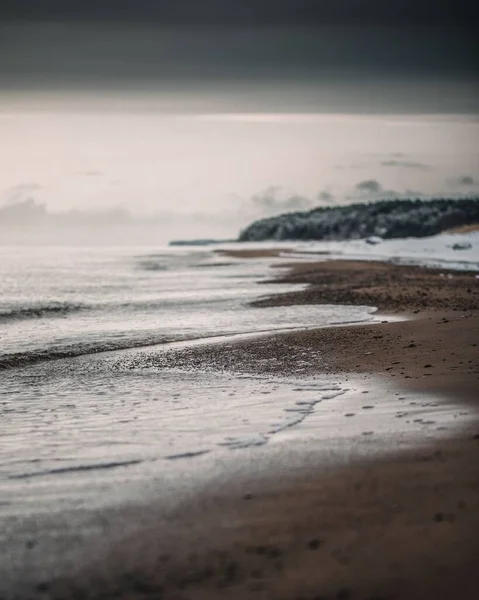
x: 145, y: 51
x: 372, y: 190
x: 399, y: 160
x: 465, y: 180
x: 326, y: 197
x: 368, y: 186
x: 234, y: 12
x: 463, y: 184
x: 325, y: 66
x: 405, y: 164
x: 275, y: 200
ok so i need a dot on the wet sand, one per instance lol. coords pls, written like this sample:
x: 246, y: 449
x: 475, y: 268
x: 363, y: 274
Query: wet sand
x: 403, y: 526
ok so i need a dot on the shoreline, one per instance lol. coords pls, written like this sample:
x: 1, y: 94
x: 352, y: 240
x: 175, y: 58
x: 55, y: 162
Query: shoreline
x: 392, y: 546
x: 428, y: 331
x: 395, y: 527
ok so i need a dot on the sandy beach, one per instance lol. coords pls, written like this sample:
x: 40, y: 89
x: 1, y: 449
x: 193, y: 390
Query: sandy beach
x: 400, y: 526
x: 239, y: 300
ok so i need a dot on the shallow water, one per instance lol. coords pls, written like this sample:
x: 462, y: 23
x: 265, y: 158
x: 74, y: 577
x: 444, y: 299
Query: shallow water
x: 76, y: 417
x: 98, y: 465
x: 61, y: 302
x: 93, y: 432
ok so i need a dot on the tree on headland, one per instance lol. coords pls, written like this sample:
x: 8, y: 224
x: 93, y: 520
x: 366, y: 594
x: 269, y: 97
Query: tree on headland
x: 384, y: 218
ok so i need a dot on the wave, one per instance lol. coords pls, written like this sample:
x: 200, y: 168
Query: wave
x: 52, y: 310
x: 23, y: 359
x: 14, y: 360
x: 76, y: 469
x: 148, y: 265
x: 173, y: 262
x: 213, y: 264
x: 40, y: 311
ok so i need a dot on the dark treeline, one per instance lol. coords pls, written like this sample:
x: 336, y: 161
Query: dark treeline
x: 384, y: 218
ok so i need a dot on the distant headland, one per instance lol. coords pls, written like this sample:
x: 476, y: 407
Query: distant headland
x: 384, y: 219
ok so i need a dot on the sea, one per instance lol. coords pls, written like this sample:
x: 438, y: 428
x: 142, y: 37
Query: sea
x: 88, y: 421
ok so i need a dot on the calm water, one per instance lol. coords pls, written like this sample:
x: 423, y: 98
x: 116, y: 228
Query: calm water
x: 60, y: 302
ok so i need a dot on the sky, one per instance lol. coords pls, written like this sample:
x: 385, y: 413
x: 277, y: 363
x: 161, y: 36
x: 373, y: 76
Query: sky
x: 232, y: 110
x: 246, y: 12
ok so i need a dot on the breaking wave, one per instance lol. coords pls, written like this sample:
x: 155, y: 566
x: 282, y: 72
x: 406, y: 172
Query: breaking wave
x: 22, y: 359
x: 40, y: 311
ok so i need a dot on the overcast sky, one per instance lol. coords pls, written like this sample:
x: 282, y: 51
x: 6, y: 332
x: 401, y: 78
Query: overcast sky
x: 247, y: 11
x: 203, y: 45
x: 198, y: 105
